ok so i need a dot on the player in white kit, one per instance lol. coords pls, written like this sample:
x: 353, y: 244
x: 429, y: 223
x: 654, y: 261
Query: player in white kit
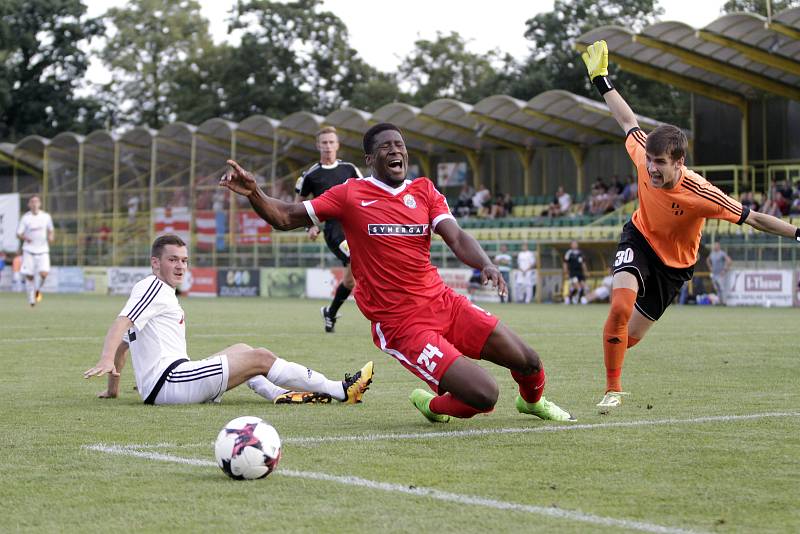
x: 35, y: 230
x: 153, y: 325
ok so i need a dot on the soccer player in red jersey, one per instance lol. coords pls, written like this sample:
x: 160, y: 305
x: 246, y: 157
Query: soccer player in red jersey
x: 431, y: 330
x: 658, y: 248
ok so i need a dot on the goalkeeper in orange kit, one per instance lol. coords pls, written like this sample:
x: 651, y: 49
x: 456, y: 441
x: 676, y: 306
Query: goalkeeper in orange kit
x: 658, y: 247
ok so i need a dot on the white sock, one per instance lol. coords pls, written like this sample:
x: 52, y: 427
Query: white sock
x: 31, y: 287
x: 294, y: 376
x: 265, y: 388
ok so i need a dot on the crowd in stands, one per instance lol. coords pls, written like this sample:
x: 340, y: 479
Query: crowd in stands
x: 607, y: 197
x: 604, y: 198
x: 782, y: 200
x: 480, y: 204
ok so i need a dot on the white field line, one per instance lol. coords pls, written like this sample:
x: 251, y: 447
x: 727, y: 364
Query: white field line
x: 311, y: 440
x: 431, y: 493
x: 528, y: 430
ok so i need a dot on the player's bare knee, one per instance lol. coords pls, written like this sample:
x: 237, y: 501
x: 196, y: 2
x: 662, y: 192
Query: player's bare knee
x: 532, y: 364
x: 265, y: 357
x: 485, y: 397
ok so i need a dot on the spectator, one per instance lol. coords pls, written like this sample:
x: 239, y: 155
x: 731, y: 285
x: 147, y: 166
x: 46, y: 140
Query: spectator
x: 499, y: 207
x: 481, y: 200
x: 508, y: 204
x: 503, y: 262
x: 525, y: 276
x: 749, y: 200
x: 463, y: 206
x: 562, y: 202
x: 631, y: 190
x: 777, y: 206
x: 719, y: 263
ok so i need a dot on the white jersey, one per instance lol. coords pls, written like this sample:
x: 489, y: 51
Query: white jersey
x: 526, y: 260
x: 35, y: 228
x: 158, y: 336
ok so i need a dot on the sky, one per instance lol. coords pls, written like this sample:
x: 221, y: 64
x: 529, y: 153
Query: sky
x: 501, y: 26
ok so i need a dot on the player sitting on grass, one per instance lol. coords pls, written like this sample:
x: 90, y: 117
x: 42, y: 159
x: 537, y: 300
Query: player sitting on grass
x: 154, y: 327
x: 430, y: 329
x: 658, y: 248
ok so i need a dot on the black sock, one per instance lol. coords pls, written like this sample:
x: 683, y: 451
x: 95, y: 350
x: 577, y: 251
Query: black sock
x: 341, y: 295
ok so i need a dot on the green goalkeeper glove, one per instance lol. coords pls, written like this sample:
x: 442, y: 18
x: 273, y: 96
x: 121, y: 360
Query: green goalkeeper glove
x: 596, y: 59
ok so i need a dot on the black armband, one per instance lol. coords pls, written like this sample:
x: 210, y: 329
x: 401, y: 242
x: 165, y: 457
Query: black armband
x: 797, y: 234
x: 603, y: 84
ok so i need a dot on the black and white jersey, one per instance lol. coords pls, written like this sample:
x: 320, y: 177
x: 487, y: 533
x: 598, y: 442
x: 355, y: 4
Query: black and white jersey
x: 574, y: 260
x: 158, y: 335
x: 319, y: 178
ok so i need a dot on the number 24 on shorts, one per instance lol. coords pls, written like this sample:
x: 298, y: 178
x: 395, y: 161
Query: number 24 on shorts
x: 428, y: 354
x: 624, y: 256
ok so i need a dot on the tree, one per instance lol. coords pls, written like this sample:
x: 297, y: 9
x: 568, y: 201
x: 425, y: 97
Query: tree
x: 154, y: 39
x: 758, y: 6
x: 41, y: 65
x: 379, y: 89
x: 443, y: 68
x: 554, y: 63
x: 304, y: 60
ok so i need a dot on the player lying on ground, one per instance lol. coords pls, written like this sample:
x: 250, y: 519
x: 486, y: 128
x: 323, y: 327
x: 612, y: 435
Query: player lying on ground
x: 430, y: 329
x: 153, y: 325
x: 658, y: 248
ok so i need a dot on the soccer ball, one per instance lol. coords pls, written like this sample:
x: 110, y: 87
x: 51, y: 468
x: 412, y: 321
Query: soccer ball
x: 248, y: 448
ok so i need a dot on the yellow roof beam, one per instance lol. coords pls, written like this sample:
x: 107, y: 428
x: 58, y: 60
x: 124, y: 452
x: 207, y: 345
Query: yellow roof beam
x: 520, y: 129
x: 569, y: 124
x: 681, y: 82
x: 20, y: 165
x: 752, y: 52
x: 721, y: 68
x: 783, y: 29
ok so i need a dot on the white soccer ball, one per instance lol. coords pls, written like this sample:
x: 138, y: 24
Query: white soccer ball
x: 248, y: 448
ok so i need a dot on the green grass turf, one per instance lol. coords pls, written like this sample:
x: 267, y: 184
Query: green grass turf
x: 725, y: 476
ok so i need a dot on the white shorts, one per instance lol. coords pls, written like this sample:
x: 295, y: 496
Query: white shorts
x: 35, y: 263
x: 194, y: 382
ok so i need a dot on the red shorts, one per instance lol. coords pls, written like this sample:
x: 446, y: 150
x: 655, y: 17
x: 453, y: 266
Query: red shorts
x: 430, y: 340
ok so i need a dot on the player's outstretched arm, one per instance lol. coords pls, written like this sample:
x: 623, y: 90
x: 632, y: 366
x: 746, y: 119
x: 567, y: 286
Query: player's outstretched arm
x: 596, y: 59
x: 105, y: 365
x: 112, y: 389
x: 470, y: 252
x: 281, y: 215
x: 773, y: 225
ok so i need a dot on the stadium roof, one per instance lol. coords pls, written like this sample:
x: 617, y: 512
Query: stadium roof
x: 737, y: 57
x: 442, y: 126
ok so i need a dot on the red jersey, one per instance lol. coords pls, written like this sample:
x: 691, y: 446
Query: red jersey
x: 672, y: 219
x: 388, y: 231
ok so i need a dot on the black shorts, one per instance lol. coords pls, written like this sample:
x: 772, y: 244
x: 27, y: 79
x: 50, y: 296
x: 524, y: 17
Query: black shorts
x: 336, y: 241
x: 658, y: 283
x: 577, y: 277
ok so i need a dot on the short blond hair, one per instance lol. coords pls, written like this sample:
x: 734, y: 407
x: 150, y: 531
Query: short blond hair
x: 327, y: 130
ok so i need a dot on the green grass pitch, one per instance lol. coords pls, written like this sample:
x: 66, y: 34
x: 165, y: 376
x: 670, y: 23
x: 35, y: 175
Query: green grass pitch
x: 668, y: 469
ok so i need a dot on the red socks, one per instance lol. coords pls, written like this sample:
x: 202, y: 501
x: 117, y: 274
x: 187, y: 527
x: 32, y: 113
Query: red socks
x: 449, y: 405
x: 615, y: 335
x: 531, y: 387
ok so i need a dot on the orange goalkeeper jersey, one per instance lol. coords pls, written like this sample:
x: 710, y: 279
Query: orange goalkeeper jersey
x: 672, y: 219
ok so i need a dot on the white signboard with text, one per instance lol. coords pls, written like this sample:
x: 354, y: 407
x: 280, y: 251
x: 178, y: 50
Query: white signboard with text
x: 759, y: 288
x: 9, y: 219
x: 122, y: 279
